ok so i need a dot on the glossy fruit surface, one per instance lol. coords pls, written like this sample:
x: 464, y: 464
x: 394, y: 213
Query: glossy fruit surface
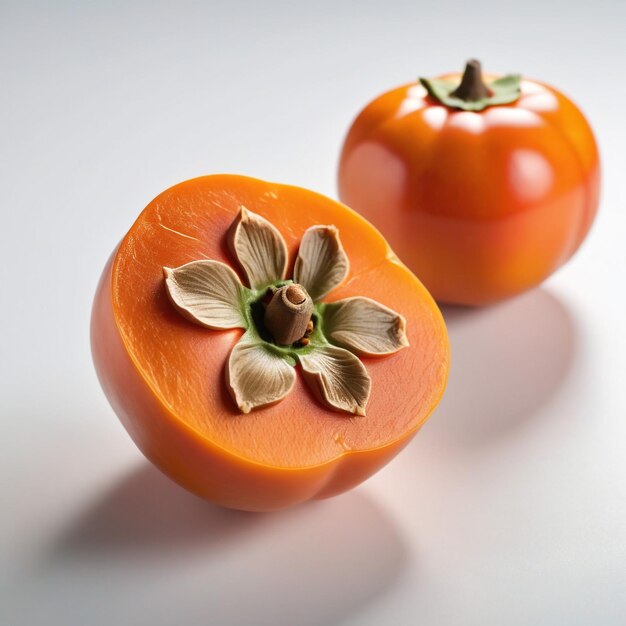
x: 481, y: 205
x: 164, y: 376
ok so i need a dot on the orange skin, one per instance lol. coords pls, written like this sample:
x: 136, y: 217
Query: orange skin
x: 481, y: 206
x: 164, y: 375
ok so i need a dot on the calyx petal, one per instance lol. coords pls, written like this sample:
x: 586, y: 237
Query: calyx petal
x: 259, y: 247
x: 207, y: 292
x: 256, y: 376
x: 501, y: 91
x: 365, y: 326
x: 338, y: 378
x: 322, y: 263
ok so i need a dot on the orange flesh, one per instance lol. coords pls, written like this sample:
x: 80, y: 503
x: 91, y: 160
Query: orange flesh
x: 182, y: 364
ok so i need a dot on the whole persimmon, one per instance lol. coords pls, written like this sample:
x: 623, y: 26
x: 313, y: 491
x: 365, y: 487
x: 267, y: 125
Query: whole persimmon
x: 483, y: 186
x: 262, y: 344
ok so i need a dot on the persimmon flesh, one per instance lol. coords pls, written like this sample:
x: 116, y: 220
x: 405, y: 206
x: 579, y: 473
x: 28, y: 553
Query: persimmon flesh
x: 164, y: 376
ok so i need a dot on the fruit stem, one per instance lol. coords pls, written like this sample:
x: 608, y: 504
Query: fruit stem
x: 288, y: 313
x: 472, y: 87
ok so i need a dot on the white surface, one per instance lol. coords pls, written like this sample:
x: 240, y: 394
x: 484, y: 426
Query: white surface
x: 508, y: 508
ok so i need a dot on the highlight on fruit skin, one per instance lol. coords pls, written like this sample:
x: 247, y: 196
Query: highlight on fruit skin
x: 163, y: 338
x: 484, y: 185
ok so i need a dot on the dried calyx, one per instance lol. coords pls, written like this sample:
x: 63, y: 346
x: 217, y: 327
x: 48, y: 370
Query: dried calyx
x: 285, y: 320
x: 472, y: 94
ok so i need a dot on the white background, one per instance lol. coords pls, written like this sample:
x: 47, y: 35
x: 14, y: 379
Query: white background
x: 510, y: 505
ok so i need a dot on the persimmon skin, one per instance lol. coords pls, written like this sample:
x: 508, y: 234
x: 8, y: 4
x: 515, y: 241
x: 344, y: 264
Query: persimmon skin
x: 480, y: 205
x: 174, y: 440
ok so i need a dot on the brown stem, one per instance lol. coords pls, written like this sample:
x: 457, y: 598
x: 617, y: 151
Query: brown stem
x: 472, y: 87
x: 288, y: 313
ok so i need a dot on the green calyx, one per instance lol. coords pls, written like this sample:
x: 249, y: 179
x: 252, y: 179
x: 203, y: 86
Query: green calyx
x: 472, y: 94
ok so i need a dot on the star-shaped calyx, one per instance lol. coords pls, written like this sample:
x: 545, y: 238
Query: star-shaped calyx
x: 286, y: 322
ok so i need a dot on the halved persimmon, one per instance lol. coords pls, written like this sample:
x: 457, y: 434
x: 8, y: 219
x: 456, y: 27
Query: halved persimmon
x: 232, y: 412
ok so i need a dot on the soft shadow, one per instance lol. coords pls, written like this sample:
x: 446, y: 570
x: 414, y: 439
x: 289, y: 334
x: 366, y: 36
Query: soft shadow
x: 198, y: 563
x: 507, y: 361
x: 146, y: 512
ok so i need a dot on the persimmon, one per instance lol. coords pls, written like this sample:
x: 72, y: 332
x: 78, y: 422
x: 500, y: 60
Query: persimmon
x: 262, y: 344
x: 482, y: 187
